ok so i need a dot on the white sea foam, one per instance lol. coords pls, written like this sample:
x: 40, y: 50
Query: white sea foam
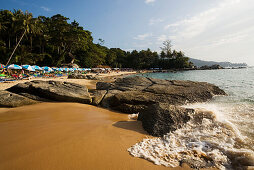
x: 207, y: 140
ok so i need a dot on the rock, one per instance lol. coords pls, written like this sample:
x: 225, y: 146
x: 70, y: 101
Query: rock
x: 8, y: 99
x: 103, y: 86
x: 34, y: 97
x: 54, y: 90
x: 76, y: 76
x: 98, y: 95
x: 137, y: 93
x: 161, y: 118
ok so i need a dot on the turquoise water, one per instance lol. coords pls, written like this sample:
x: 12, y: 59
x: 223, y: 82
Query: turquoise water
x: 238, y: 106
x: 227, y: 139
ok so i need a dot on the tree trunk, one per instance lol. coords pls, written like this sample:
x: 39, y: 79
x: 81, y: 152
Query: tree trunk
x: 15, y: 48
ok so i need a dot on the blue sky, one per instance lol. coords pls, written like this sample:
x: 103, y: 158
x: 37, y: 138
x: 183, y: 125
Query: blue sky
x: 220, y: 30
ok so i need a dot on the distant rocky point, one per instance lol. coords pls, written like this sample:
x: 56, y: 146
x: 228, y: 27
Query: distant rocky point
x: 200, y: 63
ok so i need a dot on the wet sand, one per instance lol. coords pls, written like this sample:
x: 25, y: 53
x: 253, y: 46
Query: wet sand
x: 69, y: 136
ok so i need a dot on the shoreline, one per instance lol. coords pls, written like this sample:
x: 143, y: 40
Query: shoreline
x: 69, y: 136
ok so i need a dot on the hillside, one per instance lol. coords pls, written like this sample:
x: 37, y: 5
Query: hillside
x: 200, y: 63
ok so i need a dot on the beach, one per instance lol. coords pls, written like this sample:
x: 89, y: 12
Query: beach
x: 89, y: 83
x: 69, y: 136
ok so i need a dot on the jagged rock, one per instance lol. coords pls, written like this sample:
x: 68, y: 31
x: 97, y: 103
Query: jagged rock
x: 161, y: 118
x: 98, y: 96
x: 76, y: 76
x: 54, y: 90
x: 103, y: 86
x: 137, y: 93
x: 8, y: 99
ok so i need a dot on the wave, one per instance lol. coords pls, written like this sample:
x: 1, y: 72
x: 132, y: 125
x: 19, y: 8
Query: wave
x: 209, y: 139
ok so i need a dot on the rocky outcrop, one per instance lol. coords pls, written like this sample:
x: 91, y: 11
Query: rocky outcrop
x: 54, y: 90
x: 161, y: 118
x: 8, y: 99
x: 81, y: 76
x: 134, y: 94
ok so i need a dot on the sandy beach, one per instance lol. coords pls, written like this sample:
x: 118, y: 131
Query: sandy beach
x: 69, y: 136
x: 91, y: 84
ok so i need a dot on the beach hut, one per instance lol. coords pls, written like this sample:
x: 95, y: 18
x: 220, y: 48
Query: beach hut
x: 14, y: 67
x: 28, y: 67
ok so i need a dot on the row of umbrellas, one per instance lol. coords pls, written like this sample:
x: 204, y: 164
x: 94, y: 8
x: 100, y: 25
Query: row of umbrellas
x: 45, y: 68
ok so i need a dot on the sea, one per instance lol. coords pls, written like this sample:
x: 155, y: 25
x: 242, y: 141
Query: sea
x: 220, y: 133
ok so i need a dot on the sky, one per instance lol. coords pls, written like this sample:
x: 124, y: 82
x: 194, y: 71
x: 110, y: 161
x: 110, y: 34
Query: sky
x: 213, y: 30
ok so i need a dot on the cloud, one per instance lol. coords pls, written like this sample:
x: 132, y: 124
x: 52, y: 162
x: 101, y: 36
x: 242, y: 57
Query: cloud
x: 149, y: 1
x: 45, y: 8
x: 195, y: 25
x: 222, y: 32
x: 155, y: 21
x: 143, y: 36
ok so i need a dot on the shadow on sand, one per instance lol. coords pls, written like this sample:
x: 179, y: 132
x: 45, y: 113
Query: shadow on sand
x: 131, y: 125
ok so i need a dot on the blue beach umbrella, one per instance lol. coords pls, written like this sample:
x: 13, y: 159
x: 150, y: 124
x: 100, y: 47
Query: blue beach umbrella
x: 14, y: 67
x: 46, y: 68
x: 37, y: 67
x: 28, y: 67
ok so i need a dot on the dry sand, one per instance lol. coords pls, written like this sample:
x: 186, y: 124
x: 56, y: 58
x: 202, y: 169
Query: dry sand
x: 89, y: 83
x: 69, y: 136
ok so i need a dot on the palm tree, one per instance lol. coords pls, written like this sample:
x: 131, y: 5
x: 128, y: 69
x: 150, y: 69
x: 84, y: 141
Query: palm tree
x: 26, y: 26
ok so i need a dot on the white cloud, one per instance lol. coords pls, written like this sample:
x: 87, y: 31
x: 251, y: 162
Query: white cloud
x: 143, y: 36
x: 149, y: 1
x: 155, y: 21
x: 45, y: 8
x: 223, y: 32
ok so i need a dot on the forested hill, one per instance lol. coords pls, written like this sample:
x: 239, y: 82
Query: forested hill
x: 53, y: 41
x: 200, y: 63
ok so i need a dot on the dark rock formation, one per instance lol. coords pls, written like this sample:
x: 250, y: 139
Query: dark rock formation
x: 133, y: 94
x: 98, y: 96
x: 162, y: 118
x: 8, y: 99
x: 76, y: 76
x: 54, y: 90
x: 81, y: 76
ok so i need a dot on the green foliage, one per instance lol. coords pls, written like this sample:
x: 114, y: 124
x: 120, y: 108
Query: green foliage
x: 54, y: 41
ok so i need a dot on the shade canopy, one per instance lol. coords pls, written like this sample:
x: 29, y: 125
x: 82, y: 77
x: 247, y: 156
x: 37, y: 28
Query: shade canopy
x: 46, y: 68
x: 14, y: 67
x: 28, y: 67
x: 37, y: 67
x: 2, y: 66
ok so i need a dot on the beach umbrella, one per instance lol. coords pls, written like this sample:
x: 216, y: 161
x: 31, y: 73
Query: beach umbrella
x: 2, y: 66
x: 14, y: 67
x: 28, y: 67
x: 65, y: 69
x: 59, y: 69
x: 37, y: 67
x: 46, y: 68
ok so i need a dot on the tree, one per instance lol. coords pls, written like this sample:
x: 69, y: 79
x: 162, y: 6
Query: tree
x: 166, y: 48
x: 26, y: 27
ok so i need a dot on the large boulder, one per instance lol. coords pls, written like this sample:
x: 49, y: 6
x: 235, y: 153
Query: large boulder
x: 133, y: 94
x: 76, y: 76
x: 54, y: 90
x: 8, y: 99
x: 161, y: 118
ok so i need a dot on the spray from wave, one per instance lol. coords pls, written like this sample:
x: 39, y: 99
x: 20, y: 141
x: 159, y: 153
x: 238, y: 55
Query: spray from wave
x: 207, y: 140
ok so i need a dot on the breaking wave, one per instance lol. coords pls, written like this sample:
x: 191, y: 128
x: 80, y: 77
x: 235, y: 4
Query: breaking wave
x: 209, y: 139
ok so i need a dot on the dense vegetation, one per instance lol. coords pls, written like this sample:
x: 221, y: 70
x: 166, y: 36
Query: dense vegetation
x: 53, y: 41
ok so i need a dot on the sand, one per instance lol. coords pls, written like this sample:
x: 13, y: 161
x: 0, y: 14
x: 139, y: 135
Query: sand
x: 89, y: 83
x: 69, y: 136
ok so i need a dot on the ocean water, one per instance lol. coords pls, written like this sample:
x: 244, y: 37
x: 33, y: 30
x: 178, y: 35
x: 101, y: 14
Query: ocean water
x: 220, y: 133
